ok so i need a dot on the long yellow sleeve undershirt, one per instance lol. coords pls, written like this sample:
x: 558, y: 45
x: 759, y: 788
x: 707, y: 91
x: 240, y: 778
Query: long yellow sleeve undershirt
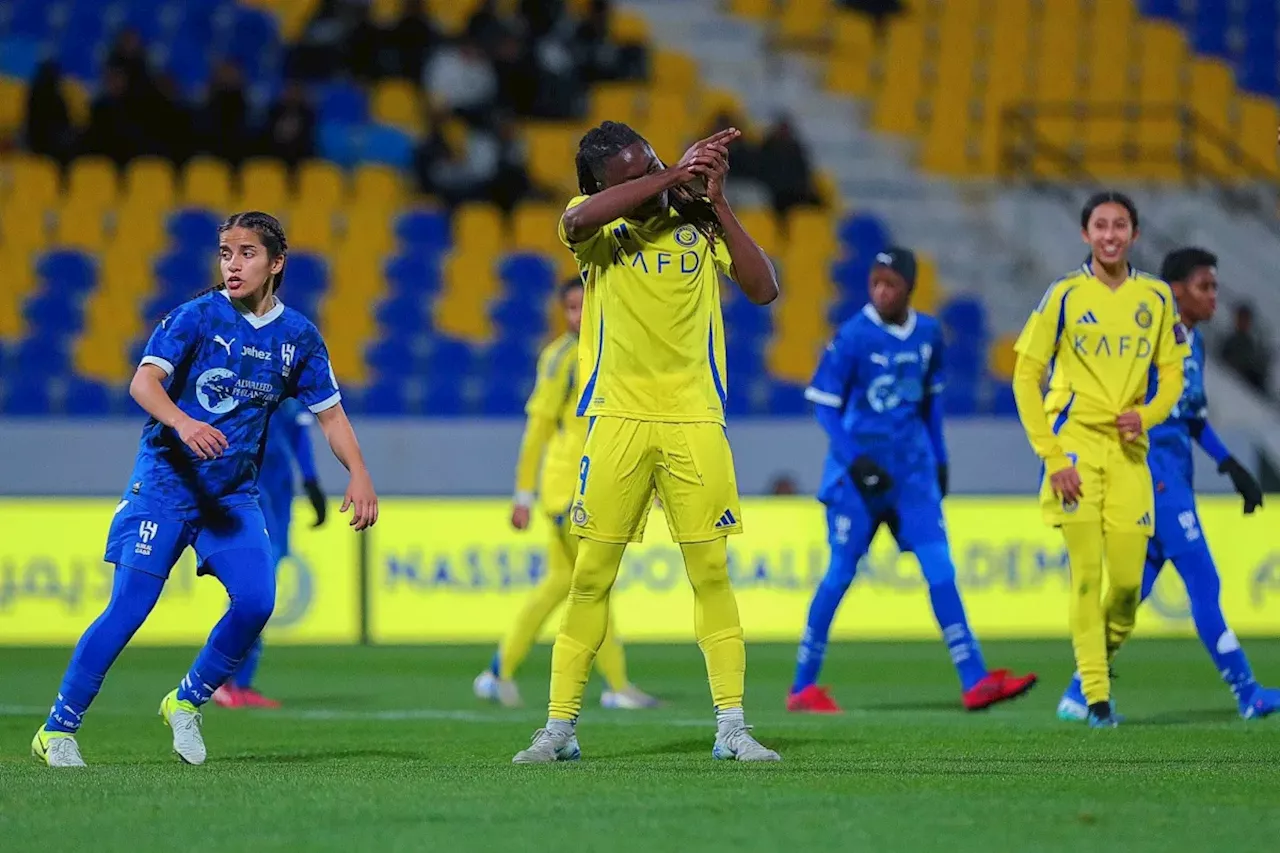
x: 538, y: 431
x: 1027, y: 373
x: 1169, y: 377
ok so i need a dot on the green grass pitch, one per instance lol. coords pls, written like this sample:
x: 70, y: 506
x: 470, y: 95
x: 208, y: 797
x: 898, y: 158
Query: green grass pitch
x: 385, y: 749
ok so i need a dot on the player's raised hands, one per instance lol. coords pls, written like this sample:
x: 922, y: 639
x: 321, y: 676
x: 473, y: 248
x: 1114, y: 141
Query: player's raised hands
x: 205, y: 441
x: 1067, y: 485
x: 707, y: 154
x: 1130, y: 425
x: 362, y: 499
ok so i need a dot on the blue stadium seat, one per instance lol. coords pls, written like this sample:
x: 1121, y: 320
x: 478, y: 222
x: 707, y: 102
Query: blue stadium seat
x: 851, y: 275
x: 844, y: 310
x: 41, y: 356
x: 965, y: 317
x: 960, y: 398
x: 787, y: 400
x: 443, y: 397
x: 744, y: 319
x: 29, y: 19
x: 527, y: 275
x: 414, y: 272
x: 424, y: 230
x: 27, y: 396
x: 189, y: 63
x: 66, y: 270
x: 19, y: 57
x: 342, y: 103
x: 339, y: 142
x: 389, y: 146
x: 1167, y: 9
x: 385, y: 397
x: 87, y: 398
x: 54, y: 314
x: 184, y: 270
x: 392, y: 357
x: 517, y: 319
x: 1002, y: 402
x: 504, y: 399
x: 1210, y: 29
x: 143, y: 16
x: 864, y: 234
x: 403, y: 316
x: 252, y: 37
x: 76, y: 60
x: 306, y: 272
x: 508, y: 360
x: 449, y: 357
x: 193, y: 227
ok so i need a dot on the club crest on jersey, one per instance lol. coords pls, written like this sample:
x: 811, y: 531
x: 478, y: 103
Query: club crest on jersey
x: 687, y: 235
x: 287, y: 352
x: 578, y: 515
x: 1143, y: 316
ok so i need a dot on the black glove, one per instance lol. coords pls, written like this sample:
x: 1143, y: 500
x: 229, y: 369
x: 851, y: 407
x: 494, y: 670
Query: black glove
x: 869, y: 477
x: 316, y: 495
x: 944, y: 479
x: 1244, y: 484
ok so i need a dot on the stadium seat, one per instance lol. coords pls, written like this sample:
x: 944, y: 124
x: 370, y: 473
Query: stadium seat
x: 54, y: 313
x: 788, y: 399
x: 414, y: 272
x: 92, y: 182
x: 443, y: 397
x: 426, y: 230
x: 206, y: 182
x: 398, y: 103
x: 385, y: 397
x: 67, y: 270
x: 342, y: 103
x: 193, y: 228
x: 377, y: 187
x: 26, y: 395
x: 321, y: 185
x: 88, y: 398
x: 263, y: 185
x: 35, y: 182
x: 41, y: 356
x: 150, y: 182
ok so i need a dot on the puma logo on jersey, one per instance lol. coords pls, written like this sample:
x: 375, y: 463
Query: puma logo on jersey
x: 225, y: 344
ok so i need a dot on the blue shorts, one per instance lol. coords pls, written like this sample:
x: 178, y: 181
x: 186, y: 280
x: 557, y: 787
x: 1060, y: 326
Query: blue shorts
x: 150, y: 541
x: 1178, y: 529
x: 912, y: 511
x: 276, y: 499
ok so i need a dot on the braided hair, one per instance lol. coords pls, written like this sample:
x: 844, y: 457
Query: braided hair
x: 269, y: 230
x: 607, y: 140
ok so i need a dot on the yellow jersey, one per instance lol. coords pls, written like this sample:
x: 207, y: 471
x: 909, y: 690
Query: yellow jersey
x: 652, y: 343
x: 555, y: 434
x: 1102, y: 348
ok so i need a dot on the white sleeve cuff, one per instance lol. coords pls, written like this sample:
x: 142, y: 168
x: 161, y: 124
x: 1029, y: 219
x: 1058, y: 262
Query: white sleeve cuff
x: 937, y: 387
x: 524, y: 499
x: 158, y: 362
x: 326, y: 404
x: 823, y: 398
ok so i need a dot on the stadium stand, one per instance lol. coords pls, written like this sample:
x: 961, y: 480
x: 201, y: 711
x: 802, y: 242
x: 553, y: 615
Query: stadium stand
x: 435, y: 304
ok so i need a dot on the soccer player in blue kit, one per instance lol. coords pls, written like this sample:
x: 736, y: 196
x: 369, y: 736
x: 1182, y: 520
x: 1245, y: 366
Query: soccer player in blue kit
x: 230, y: 356
x: 288, y: 446
x: 876, y: 396
x: 1192, y: 275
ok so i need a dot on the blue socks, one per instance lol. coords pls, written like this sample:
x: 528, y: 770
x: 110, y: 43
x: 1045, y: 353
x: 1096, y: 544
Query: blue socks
x: 250, y: 578
x: 822, y: 610
x: 133, y: 595
x: 948, y: 610
x: 243, y: 677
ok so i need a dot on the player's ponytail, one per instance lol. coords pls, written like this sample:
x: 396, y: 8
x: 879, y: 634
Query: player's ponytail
x: 269, y: 230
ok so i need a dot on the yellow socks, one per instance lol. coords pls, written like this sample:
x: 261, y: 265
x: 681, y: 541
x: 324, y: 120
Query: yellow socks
x: 1126, y: 560
x: 716, y: 622
x: 1088, y: 634
x: 586, y: 620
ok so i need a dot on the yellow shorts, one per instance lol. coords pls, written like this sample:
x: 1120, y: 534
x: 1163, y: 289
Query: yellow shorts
x: 625, y: 461
x: 557, y: 487
x: 1115, y: 483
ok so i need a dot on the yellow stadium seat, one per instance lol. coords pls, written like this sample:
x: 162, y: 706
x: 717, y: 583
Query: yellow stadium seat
x: 264, y: 185
x: 206, y: 182
x: 81, y: 226
x: 1213, y: 89
x: 469, y: 283
x: 535, y: 228
x: 321, y: 185
x: 957, y: 34
x: 928, y: 288
x: 378, y: 186
x: 828, y: 188
x: 1112, y: 56
x: 93, y: 181
x: 1008, y: 59
x: 478, y: 228
x: 804, y: 22
x: 1057, y: 57
x: 896, y: 108
x: 1259, y: 120
x: 150, y: 181
x: 615, y: 102
x: 140, y: 228
x: 671, y: 69
x: 371, y: 230
x: 945, y: 149
x: 22, y: 224
x: 1163, y: 51
x: 35, y: 182
x: 399, y: 104
x: 849, y: 74
x: 78, y: 99
x: 754, y: 9
x: 854, y: 34
x: 13, y: 105
x: 763, y: 226
x: 666, y: 126
x: 310, y: 229
x: 1001, y: 357
x: 627, y: 27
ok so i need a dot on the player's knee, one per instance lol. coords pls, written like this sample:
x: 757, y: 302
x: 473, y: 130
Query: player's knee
x: 936, y: 564
x: 254, y: 607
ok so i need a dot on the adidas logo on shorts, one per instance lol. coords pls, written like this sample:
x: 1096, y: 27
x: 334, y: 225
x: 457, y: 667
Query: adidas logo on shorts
x: 726, y: 520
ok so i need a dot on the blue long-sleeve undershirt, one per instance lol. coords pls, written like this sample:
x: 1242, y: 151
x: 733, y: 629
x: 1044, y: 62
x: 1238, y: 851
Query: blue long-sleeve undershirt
x: 1205, y: 435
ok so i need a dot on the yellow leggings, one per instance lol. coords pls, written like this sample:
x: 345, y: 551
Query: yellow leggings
x: 550, y: 593
x: 586, y: 619
x: 1099, y: 628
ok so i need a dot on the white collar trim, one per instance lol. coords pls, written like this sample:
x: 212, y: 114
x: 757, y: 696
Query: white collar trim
x: 254, y: 320
x: 902, y: 332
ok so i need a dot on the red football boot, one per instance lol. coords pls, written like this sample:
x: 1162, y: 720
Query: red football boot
x: 999, y: 685
x: 812, y: 700
x: 250, y: 698
x: 228, y: 696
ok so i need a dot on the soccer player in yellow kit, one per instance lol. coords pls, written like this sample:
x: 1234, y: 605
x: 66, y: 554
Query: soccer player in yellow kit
x: 1101, y: 332
x: 548, y: 471
x: 652, y: 248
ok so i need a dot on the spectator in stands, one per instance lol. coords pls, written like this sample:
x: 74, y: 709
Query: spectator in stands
x: 784, y: 168
x: 223, y: 120
x: 114, y: 130
x: 291, y: 126
x: 511, y: 183
x: 129, y: 56
x: 322, y: 49
x: 367, y: 55
x: 462, y: 80
x: 745, y: 153
x: 488, y: 27
x: 169, y: 121
x: 1246, y: 352
x: 561, y: 84
x: 411, y: 40
x: 600, y: 57
x: 517, y: 75
x: 880, y: 10
x: 458, y: 162
x: 48, y: 129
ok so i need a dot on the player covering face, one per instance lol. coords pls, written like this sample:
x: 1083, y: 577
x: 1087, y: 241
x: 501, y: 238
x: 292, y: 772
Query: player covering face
x: 877, y: 395
x: 1100, y: 332
x: 1179, y: 538
x: 553, y: 438
x: 651, y: 248
x: 212, y: 375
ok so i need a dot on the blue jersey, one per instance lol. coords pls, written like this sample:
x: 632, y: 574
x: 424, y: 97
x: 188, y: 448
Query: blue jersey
x: 229, y: 369
x: 882, y: 382
x: 1170, y: 455
x: 288, y: 444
